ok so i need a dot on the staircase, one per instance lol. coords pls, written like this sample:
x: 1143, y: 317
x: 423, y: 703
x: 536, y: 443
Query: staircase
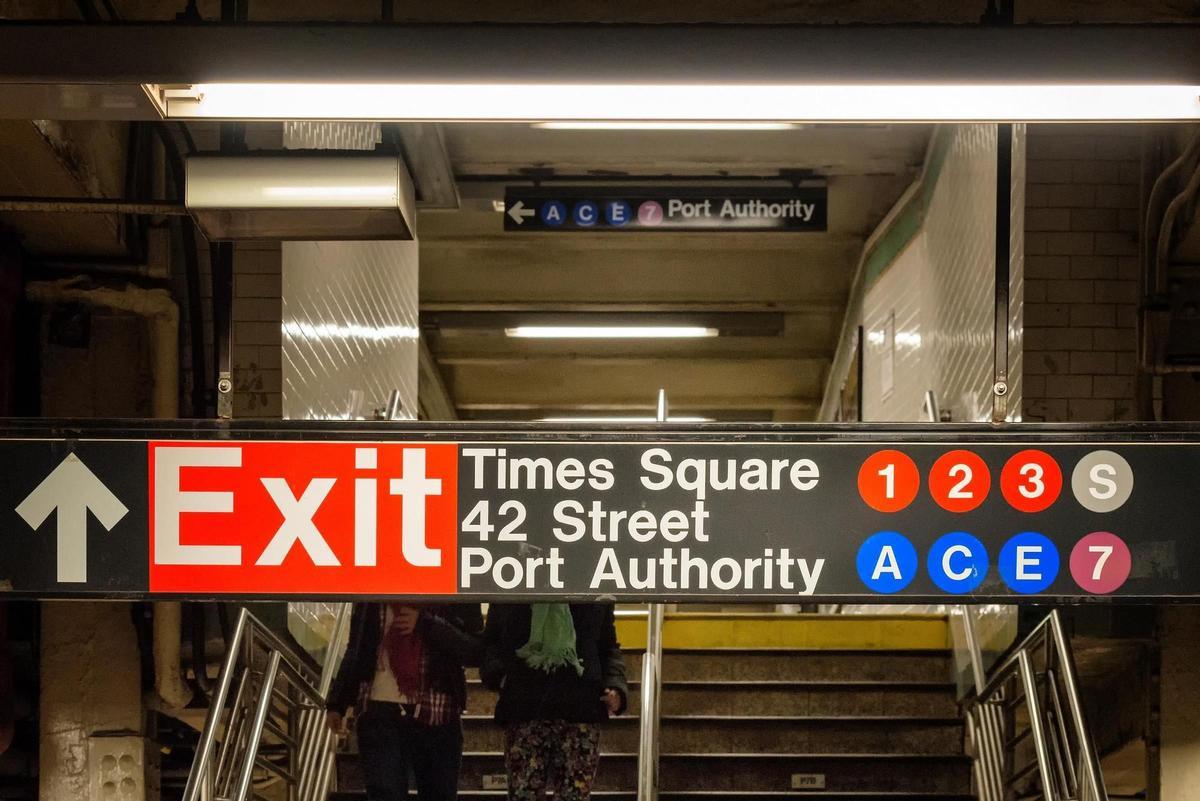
x: 855, y: 708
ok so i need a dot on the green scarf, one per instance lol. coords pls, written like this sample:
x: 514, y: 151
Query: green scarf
x: 551, y: 639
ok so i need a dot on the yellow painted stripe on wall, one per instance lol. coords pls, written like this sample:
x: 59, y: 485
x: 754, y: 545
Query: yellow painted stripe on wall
x: 691, y: 631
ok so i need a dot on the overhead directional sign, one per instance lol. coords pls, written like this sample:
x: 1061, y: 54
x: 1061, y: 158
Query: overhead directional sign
x: 73, y: 490
x: 345, y: 510
x: 688, y: 208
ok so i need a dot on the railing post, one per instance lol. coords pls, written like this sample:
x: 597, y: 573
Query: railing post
x: 330, y: 663
x: 1029, y: 684
x: 651, y: 688
x: 316, y: 750
x: 1090, y: 766
x: 974, y: 650
x: 200, y: 777
x: 651, y: 683
x: 246, y: 776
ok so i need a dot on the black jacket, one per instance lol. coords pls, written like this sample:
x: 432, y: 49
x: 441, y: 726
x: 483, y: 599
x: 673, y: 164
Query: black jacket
x: 528, y: 694
x: 450, y: 632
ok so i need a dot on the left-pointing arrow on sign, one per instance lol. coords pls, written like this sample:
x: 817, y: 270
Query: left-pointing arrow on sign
x: 518, y: 212
x: 73, y: 490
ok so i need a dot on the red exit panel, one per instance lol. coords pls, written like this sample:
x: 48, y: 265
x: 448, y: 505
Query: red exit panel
x: 307, y: 518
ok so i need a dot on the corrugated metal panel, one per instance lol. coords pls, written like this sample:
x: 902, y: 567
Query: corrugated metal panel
x: 350, y: 330
x: 350, y: 334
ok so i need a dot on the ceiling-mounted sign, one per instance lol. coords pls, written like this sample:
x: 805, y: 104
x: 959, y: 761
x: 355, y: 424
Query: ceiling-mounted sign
x: 692, y: 208
x: 755, y: 512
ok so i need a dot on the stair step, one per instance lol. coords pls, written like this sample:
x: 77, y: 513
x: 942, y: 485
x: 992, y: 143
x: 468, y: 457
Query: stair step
x: 712, y: 795
x: 750, y: 774
x: 927, y: 667
x: 801, y: 665
x: 782, y: 697
x: 758, y: 734
x: 708, y: 629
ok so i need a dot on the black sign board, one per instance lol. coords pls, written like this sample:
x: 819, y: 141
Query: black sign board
x: 781, y: 513
x: 617, y: 209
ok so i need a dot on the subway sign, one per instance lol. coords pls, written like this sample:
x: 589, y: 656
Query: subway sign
x: 780, y: 513
x: 584, y: 209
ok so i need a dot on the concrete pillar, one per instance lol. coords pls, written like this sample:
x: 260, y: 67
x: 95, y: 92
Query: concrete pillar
x: 1178, y: 735
x: 1179, y: 721
x: 91, y: 695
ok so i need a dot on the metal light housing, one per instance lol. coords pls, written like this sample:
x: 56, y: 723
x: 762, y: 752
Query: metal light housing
x: 301, y: 197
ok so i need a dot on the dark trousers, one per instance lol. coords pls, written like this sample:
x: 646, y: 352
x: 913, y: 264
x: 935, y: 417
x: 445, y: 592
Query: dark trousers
x: 391, y: 743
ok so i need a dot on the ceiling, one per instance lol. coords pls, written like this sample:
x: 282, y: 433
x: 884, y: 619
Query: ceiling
x: 780, y: 297
x: 788, y: 291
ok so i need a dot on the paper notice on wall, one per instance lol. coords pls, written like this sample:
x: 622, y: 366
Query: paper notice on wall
x: 887, y: 361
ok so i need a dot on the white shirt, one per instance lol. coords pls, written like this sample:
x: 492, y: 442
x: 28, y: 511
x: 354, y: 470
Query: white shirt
x: 384, y: 687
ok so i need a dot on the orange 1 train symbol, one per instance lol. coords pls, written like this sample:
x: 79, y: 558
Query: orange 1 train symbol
x: 888, y: 481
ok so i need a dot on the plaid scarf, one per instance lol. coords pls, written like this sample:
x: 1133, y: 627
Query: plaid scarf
x: 408, y: 660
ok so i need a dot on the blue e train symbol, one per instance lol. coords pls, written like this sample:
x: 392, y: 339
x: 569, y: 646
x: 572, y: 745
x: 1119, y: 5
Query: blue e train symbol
x: 616, y: 213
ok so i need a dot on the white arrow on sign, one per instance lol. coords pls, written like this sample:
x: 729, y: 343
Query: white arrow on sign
x: 72, y: 489
x: 519, y: 213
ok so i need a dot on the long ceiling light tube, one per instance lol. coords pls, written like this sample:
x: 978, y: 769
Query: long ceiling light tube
x: 671, y: 419
x: 611, y: 332
x: 678, y: 125
x: 676, y: 103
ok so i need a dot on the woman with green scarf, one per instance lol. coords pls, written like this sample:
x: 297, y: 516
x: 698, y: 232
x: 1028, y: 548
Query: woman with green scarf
x: 559, y: 672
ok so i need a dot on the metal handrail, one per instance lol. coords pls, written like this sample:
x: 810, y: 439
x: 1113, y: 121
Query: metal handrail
x: 1029, y: 701
x: 651, y: 689
x: 279, y: 700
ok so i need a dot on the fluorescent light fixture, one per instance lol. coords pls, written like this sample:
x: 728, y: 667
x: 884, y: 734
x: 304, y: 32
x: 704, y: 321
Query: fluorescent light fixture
x: 323, y: 194
x: 611, y: 331
x: 301, y: 196
x: 676, y: 103
x: 581, y: 125
x: 623, y: 420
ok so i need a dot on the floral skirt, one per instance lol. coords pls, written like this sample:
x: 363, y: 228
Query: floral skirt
x: 551, y: 755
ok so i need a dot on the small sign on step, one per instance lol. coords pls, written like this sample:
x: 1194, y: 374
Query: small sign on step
x: 808, y: 781
x: 499, y: 781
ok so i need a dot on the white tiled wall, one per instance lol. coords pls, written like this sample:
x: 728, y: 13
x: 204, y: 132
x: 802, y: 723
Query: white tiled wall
x: 940, y: 290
